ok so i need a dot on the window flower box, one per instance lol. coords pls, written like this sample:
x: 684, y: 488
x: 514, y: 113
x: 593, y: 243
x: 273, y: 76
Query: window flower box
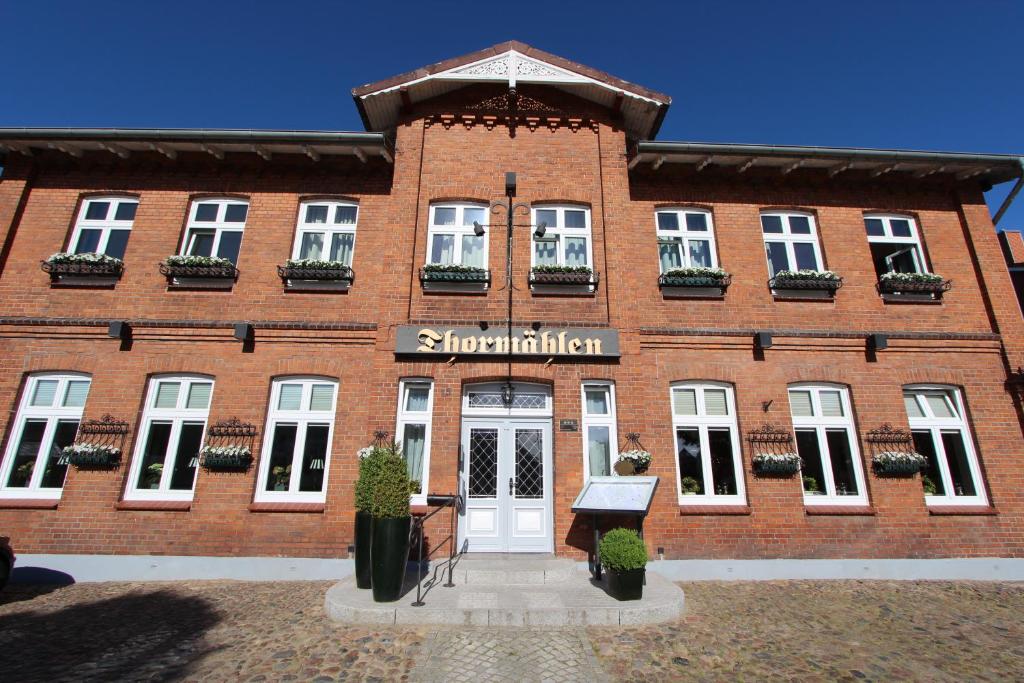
x: 898, y: 462
x: 913, y: 286
x: 454, y: 278
x: 91, y: 455
x: 805, y: 284
x: 776, y: 463
x: 199, y: 272
x: 83, y: 270
x: 697, y: 282
x: 226, y: 457
x: 315, y: 275
x: 563, y: 279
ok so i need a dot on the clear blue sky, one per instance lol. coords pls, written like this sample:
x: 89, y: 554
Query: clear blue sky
x: 935, y: 75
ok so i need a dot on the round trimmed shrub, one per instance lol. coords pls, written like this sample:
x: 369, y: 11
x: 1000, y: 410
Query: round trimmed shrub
x: 623, y: 550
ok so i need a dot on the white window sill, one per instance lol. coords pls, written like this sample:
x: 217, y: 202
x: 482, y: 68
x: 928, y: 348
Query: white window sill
x: 170, y: 496
x: 286, y: 497
x: 30, y: 494
x: 832, y: 501
x: 700, y: 500
x: 951, y: 501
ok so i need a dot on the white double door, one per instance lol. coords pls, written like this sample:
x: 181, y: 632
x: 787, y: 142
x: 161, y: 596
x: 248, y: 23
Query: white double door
x: 506, y: 478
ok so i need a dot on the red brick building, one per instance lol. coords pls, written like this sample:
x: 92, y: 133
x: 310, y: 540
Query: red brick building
x: 392, y: 316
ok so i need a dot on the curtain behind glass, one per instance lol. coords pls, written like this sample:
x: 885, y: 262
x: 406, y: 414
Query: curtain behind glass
x: 414, y: 439
x: 599, y: 451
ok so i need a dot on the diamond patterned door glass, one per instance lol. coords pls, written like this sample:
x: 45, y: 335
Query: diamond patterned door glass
x: 529, y: 463
x: 483, y: 463
x: 492, y: 399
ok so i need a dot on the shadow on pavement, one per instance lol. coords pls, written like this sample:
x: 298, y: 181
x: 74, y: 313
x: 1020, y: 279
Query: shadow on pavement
x: 152, y: 635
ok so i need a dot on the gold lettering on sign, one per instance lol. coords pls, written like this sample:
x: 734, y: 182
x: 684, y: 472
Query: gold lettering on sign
x: 574, y: 345
x: 428, y: 338
x: 528, y: 341
x: 593, y: 347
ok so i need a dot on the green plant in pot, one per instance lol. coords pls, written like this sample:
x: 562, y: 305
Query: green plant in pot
x: 389, y: 503
x: 690, y: 486
x: 370, y: 460
x: 624, y: 555
x: 811, y: 486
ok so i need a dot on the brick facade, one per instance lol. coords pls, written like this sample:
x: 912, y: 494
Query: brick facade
x: 969, y: 340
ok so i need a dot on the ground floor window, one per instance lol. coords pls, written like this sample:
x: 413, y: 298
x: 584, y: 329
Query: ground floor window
x: 599, y: 434
x: 707, y: 444
x: 830, y: 462
x: 412, y: 431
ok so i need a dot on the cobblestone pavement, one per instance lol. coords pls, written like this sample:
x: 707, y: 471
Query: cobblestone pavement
x: 508, y: 656
x: 230, y: 631
x: 840, y: 630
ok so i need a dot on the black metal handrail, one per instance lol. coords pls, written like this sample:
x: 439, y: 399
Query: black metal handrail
x: 454, y: 501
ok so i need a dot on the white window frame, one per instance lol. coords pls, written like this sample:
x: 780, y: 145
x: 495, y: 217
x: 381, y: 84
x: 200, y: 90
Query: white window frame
x: 911, y: 242
x: 788, y: 238
x: 414, y: 417
x: 936, y: 426
x: 177, y: 417
x: 53, y: 414
x: 458, y: 231
x: 609, y: 420
x: 559, y: 232
x: 702, y: 422
x: 105, y: 226
x: 685, y: 235
x: 821, y: 424
x: 301, y: 419
x: 328, y: 229
x: 218, y: 226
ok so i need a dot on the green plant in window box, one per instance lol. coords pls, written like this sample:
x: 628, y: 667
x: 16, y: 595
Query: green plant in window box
x: 151, y: 479
x: 188, y: 260
x: 391, y: 524
x: 624, y: 554
x: 690, y: 486
x: 563, y: 269
x: 281, y: 475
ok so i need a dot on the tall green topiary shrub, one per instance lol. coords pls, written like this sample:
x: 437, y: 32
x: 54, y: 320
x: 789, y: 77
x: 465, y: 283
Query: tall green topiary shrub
x: 623, y: 550
x: 369, y: 471
x: 389, y: 498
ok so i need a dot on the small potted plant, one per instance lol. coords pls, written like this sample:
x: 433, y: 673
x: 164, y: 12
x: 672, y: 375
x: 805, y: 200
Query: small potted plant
x: 638, y: 458
x: 690, y: 486
x: 370, y: 459
x: 23, y: 473
x: 811, y: 486
x: 624, y: 555
x: 281, y: 475
x: 392, y: 521
x: 929, y: 486
x: 152, y: 475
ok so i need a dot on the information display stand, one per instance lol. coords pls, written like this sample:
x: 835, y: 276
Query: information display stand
x: 614, y: 496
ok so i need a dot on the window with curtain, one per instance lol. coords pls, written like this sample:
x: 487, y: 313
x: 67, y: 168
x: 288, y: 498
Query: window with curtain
x: 566, y: 240
x: 215, y: 228
x: 172, y: 428
x: 941, y: 434
x: 451, y: 240
x: 790, y: 242
x: 103, y: 226
x: 326, y: 231
x: 831, y: 467
x: 600, y: 440
x: 46, y: 422
x: 706, y: 439
x: 296, y: 454
x: 415, y: 406
x: 895, y: 244
x: 686, y: 239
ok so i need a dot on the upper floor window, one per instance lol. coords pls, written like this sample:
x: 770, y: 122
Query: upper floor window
x: 895, y: 244
x: 941, y: 435
x: 297, y: 440
x: 790, y: 242
x: 103, y: 226
x: 172, y: 428
x: 599, y: 434
x: 707, y: 443
x: 830, y: 462
x: 47, y: 421
x: 415, y: 407
x: 686, y: 239
x: 215, y: 228
x: 452, y: 238
x: 326, y: 231
x: 566, y: 239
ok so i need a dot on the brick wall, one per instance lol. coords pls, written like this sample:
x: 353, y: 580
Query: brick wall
x: 968, y: 340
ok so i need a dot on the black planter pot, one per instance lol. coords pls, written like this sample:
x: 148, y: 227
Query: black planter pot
x: 389, y: 557
x: 627, y: 585
x: 364, y: 540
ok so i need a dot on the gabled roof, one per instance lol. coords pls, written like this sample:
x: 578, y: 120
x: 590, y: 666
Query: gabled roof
x: 511, y: 62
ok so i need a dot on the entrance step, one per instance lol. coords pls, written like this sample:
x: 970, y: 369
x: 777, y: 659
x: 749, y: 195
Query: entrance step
x: 575, y: 601
x: 503, y: 570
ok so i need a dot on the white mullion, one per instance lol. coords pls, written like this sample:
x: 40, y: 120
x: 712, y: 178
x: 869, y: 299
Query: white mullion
x: 825, y: 454
x: 300, y: 448
x: 44, y: 448
x: 170, y: 456
x: 943, y: 463
x: 705, y: 459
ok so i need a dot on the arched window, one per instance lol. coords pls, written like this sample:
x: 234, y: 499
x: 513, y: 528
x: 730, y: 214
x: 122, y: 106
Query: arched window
x: 171, y: 435
x: 215, y: 228
x: 941, y: 434
x: 103, y: 226
x: 790, y: 241
x: 686, y: 239
x: 47, y: 421
x: 706, y: 444
x: 297, y: 441
x: 825, y: 440
x: 326, y: 231
x: 451, y: 237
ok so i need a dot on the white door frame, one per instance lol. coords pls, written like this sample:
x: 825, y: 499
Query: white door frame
x: 506, y: 522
